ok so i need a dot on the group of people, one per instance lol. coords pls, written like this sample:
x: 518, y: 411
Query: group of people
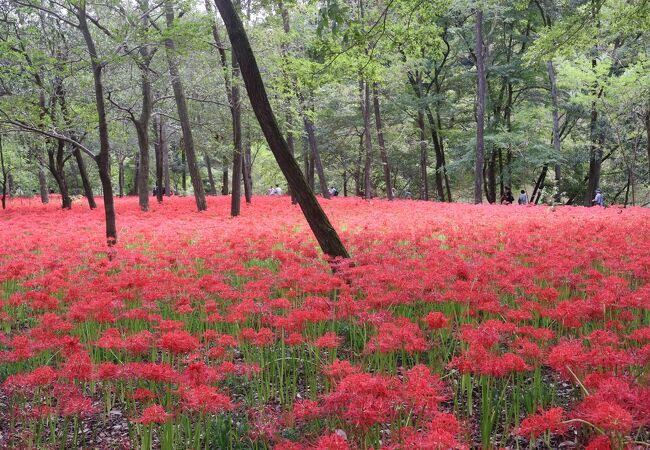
x: 277, y: 190
x: 508, y: 198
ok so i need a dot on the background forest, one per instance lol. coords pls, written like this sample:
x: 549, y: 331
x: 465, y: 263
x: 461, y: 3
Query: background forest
x: 371, y: 95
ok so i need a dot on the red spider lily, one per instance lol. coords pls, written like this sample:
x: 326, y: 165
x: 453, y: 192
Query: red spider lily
x: 402, y: 334
x: 178, y: 342
x: 551, y: 420
x: 328, y: 340
x: 436, y: 320
x: 204, y: 399
x: 331, y: 442
x: 154, y: 414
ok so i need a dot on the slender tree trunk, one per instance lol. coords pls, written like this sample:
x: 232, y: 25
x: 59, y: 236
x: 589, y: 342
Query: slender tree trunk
x: 246, y: 172
x: 88, y: 190
x: 183, y: 163
x: 120, y: 177
x: 315, y: 153
x: 382, y: 144
x: 164, y: 149
x: 364, y: 89
x: 183, y: 115
x: 491, y: 194
x: 158, y: 150
x: 424, y: 179
x: 4, y: 175
x: 440, y: 163
x: 556, y: 129
x: 224, y: 178
x: 136, y: 175
x: 235, y: 110
x: 323, y: 231
x: 42, y: 183
x: 539, y: 185
x: 480, y: 108
x: 208, y: 164
x: 647, y: 131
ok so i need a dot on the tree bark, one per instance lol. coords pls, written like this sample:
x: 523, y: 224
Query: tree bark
x: 382, y: 144
x: 42, y: 183
x: 208, y: 164
x: 183, y: 115
x: 235, y: 111
x: 319, y: 223
x: 364, y: 89
x: 480, y: 108
x: 315, y: 154
x: 647, y: 131
x: 224, y: 178
x: 246, y: 172
x: 120, y: 177
x: 103, y: 158
x: 556, y: 129
x: 88, y: 190
x: 158, y: 150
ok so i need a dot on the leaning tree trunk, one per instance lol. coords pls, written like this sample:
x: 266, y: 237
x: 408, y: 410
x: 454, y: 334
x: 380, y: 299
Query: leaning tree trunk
x: 382, y: 144
x: 183, y: 115
x: 88, y: 190
x: 320, y: 225
x: 42, y: 184
x: 480, y: 108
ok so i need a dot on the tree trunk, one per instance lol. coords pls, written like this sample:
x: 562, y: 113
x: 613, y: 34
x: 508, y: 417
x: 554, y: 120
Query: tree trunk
x: 480, y: 108
x: 164, y: 149
x: 246, y: 172
x: 158, y: 146
x: 57, y: 169
x: 235, y: 112
x: 4, y: 175
x: 424, y: 179
x: 315, y: 153
x: 556, y: 129
x: 42, y: 183
x: 647, y: 131
x: 491, y: 184
x: 88, y: 190
x: 183, y: 115
x: 120, y: 177
x: 184, y: 174
x: 103, y: 158
x: 441, y: 170
x: 142, y: 131
x: 364, y: 90
x: 208, y: 164
x: 224, y: 178
x: 136, y: 175
x: 382, y: 144
x: 323, y: 231
x: 539, y: 185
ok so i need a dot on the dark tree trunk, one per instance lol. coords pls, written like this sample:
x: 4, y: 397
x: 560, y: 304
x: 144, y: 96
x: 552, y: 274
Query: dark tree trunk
x: 224, y: 178
x: 103, y: 158
x: 491, y: 182
x: 441, y: 170
x: 647, y: 131
x: 556, y: 129
x: 88, y: 190
x: 480, y: 108
x: 364, y: 89
x: 246, y: 172
x: 4, y: 175
x: 181, y: 145
x: 142, y: 131
x: 208, y: 165
x: 183, y: 115
x: 382, y: 144
x: 315, y: 153
x: 539, y: 185
x: 235, y: 111
x: 323, y: 231
x: 120, y: 177
x: 424, y: 179
x: 42, y: 184
x: 164, y: 149
x: 595, y: 152
x: 136, y: 175
x: 56, y: 164
x: 158, y: 150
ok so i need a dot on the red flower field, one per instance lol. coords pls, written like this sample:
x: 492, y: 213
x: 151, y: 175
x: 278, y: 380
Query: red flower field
x: 455, y: 326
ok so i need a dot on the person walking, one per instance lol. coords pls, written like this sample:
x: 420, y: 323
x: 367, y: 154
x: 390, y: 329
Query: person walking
x: 523, y: 198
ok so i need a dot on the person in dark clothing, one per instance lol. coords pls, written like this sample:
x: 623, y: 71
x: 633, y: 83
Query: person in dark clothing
x: 507, y: 198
